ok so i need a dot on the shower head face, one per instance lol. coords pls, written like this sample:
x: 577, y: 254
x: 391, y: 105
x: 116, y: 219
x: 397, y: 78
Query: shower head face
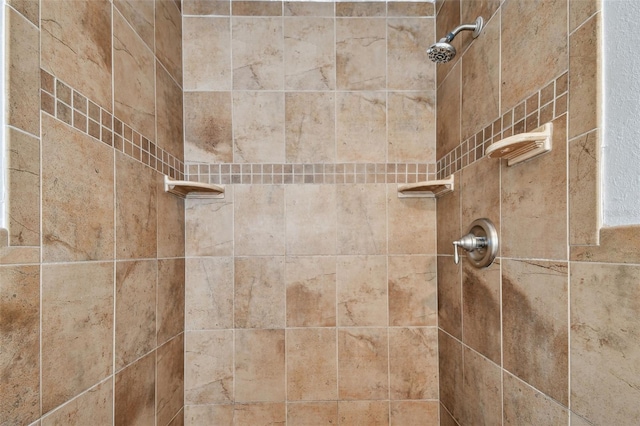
x: 441, y: 52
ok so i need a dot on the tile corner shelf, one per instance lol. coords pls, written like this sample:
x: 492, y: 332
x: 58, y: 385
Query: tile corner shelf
x: 426, y: 189
x: 524, y: 146
x: 186, y: 189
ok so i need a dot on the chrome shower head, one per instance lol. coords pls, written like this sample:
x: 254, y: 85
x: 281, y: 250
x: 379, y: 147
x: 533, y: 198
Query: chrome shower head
x: 443, y: 51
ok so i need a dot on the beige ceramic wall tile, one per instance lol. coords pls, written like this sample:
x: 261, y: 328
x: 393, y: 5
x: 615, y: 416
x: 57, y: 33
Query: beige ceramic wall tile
x: 409, y: 67
x: 178, y: 419
x: 584, y: 189
x: 259, y: 8
x: 259, y: 292
x: 412, y: 127
x: 30, y: 9
x: 20, y: 341
x: 170, y: 310
x: 448, y: 218
x: 171, y: 222
x: 375, y: 413
x: 360, y: 9
x: 310, y: 124
x: 195, y: 415
x: 362, y: 364
x: 413, y: 363
x: 259, y: 220
x: 135, y: 390
x: 268, y: 413
x: 206, y: 7
x: 77, y: 329
x: 170, y: 379
x: 208, y: 127
x: 362, y: 291
x: 133, y: 79
x: 412, y: 290
x: 77, y: 177
x: 311, y: 291
x: 523, y: 404
x: 412, y: 224
x: 140, y: 15
x: 361, y: 127
x: 311, y: 364
x: 481, y: 390
x: 92, y: 407
x: 309, y: 59
x: 76, y: 45
x: 135, y: 310
x: 414, y: 413
x: 209, y: 293
x: 209, y: 226
x: 168, y: 29
x: 448, y: 112
x: 449, y: 296
x: 259, y: 365
x: 310, y: 219
x: 136, y: 209
x: 534, y: 38
x: 258, y: 127
x: 208, y: 376
x: 309, y: 412
x: 618, y: 244
x: 581, y: 10
x: 207, y: 53
x: 450, y: 374
x: 296, y: 8
x: 480, y: 193
x: 605, y: 376
x: 534, y: 325
x: 576, y: 420
x: 23, y: 74
x: 361, y: 54
x: 361, y: 219
x: 170, y: 124
x: 257, y: 48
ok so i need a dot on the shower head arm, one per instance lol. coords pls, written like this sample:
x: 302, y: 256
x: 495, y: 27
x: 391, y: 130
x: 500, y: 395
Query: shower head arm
x: 475, y: 27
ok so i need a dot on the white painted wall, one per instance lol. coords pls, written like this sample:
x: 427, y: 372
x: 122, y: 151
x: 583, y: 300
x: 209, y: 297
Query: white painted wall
x: 621, y: 141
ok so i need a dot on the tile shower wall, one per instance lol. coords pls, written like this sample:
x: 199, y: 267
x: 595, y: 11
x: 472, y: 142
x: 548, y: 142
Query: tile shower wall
x: 549, y: 333
x: 311, y: 287
x: 92, y: 266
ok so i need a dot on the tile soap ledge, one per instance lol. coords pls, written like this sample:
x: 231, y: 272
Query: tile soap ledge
x: 523, y: 146
x: 426, y: 189
x: 186, y: 189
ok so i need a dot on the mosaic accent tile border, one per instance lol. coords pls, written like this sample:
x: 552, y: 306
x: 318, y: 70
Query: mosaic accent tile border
x: 61, y: 101
x: 542, y: 107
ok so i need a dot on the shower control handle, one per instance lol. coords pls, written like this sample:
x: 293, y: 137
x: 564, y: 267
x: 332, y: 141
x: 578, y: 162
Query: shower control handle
x: 480, y: 243
x: 469, y: 242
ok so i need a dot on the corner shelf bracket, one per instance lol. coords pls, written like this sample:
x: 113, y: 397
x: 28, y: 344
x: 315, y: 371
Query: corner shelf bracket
x: 524, y: 146
x: 186, y: 189
x: 426, y: 189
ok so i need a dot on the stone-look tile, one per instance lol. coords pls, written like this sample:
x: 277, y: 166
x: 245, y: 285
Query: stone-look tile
x: 260, y: 8
x: 481, y: 309
x: 362, y: 364
x: 445, y: 417
x: 30, y: 9
x: 362, y: 290
x: 136, y: 209
x: 413, y: 363
x: 450, y: 374
x: 481, y: 390
x: 414, y: 413
x: 448, y: 218
x: 407, y: 42
x: 361, y: 216
x: 171, y: 222
x: 410, y: 8
x: 449, y: 296
x: 208, y: 127
x: 448, y: 18
x: 205, y: 7
x: 311, y: 291
x: 258, y: 127
x: 361, y: 54
x: 309, y: 61
x: 311, y: 364
x: 371, y: 413
x: 135, y: 310
x: 448, y: 113
x: 617, y: 245
x: 170, y: 310
x: 133, y: 79
x: 196, y: 415
x: 585, y: 95
x: 168, y: 29
x: 259, y: 220
x: 361, y: 127
x: 310, y: 134
x: 317, y: 9
x: 170, y: 380
x: 481, y: 80
x: 76, y: 45
x: 77, y: 329
x: 534, y: 38
x: 92, y: 407
x: 170, y: 124
x: 412, y: 224
x: 605, y: 361
x: 259, y: 365
x: 305, y: 205
x: 77, y: 177
x: 470, y: 10
x: 412, y: 127
x: 260, y: 414
x: 534, y: 324
x: 207, y: 53
x: 259, y: 292
x: 209, y: 226
x: 135, y: 393
x: 584, y: 189
x: 139, y: 14
x: 576, y: 420
x: 534, y: 203
x: 178, y: 419
x: 581, y: 10
x: 257, y: 49
x: 23, y: 74
x: 209, y: 293
x: 23, y: 182
x: 20, y: 342
x: 208, y: 375
x: 360, y: 9
x: 312, y: 413
x: 524, y: 405
x: 412, y: 290
x: 17, y: 255
x: 480, y: 193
